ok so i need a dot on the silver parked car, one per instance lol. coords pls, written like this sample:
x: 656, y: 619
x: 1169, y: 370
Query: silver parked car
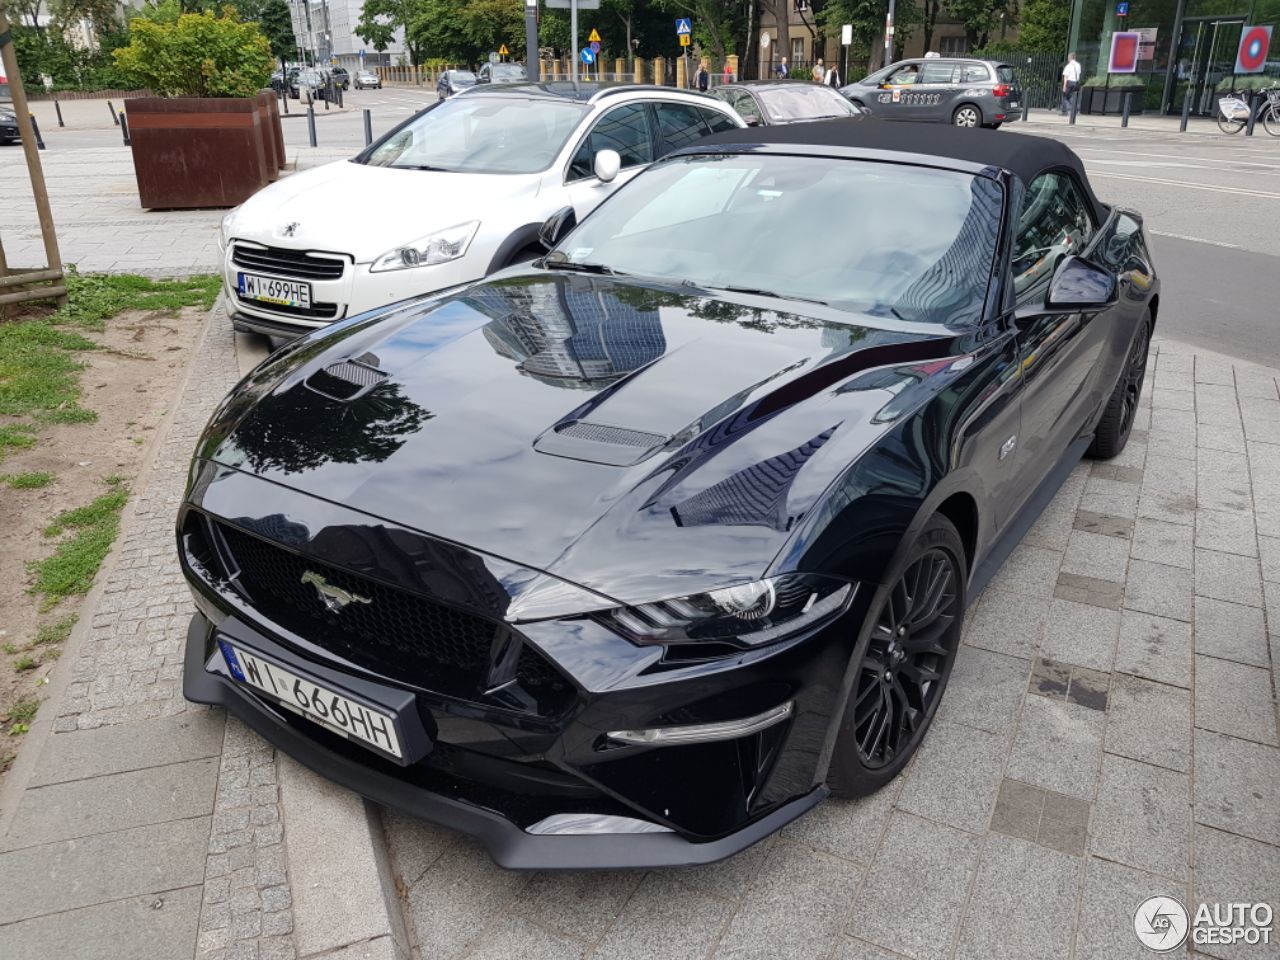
x: 960, y: 91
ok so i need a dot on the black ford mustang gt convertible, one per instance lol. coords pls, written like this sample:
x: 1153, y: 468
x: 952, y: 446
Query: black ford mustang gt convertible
x: 629, y: 557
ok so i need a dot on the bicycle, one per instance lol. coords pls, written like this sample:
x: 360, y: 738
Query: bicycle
x: 1233, y: 113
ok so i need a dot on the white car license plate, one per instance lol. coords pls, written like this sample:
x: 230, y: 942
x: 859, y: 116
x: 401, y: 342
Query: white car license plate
x: 283, y: 293
x: 1013, y: 103
x: 319, y: 704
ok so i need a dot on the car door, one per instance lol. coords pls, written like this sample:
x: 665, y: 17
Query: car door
x: 1061, y: 352
x: 628, y: 129
x: 932, y: 94
x: 973, y: 85
x: 892, y: 101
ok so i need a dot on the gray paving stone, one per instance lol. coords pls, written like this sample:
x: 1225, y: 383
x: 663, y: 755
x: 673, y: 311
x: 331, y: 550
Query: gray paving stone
x: 125, y: 747
x: 1029, y: 570
x: 1222, y: 482
x: 1090, y: 590
x: 1272, y: 593
x: 795, y: 907
x: 1228, y: 437
x: 1018, y: 885
x: 415, y: 844
x: 1159, y: 589
x: 1142, y: 817
x: 886, y: 911
x: 1230, y: 631
x: 1006, y: 622
x: 79, y: 873
x: 1270, y: 550
x: 1154, y: 647
x: 851, y: 949
x: 117, y: 801
x: 1237, y: 786
x: 456, y: 899
x: 1264, y: 472
x: 728, y: 878
x: 1229, y: 531
x: 1105, y: 524
x: 984, y: 690
x: 126, y: 929
x: 664, y: 921
x: 1057, y: 747
x: 955, y: 776
x: 1097, y: 556
x: 1053, y: 527
x: 1162, y: 542
x: 1150, y: 722
x: 845, y: 828
x: 582, y: 905
x: 1018, y: 809
x: 1234, y: 698
x: 1114, y: 498
x: 1231, y: 869
x: 1081, y: 634
x: 1262, y: 421
x: 1064, y: 824
x: 511, y: 936
x: 1110, y: 894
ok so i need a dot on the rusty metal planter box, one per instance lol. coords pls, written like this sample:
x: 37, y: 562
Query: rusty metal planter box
x: 200, y: 152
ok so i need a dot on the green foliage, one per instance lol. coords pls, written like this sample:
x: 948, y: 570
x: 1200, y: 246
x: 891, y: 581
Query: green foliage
x: 95, y: 297
x: 51, y: 634
x: 27, y: 481
x: 1043, y: 26
x: 981, y: 17
x: 200, y: 55
x: 20, y: 715
x: 380, y: 19
x: 42, y: 52
x: 272, y: 17
x: 16, y: 436
x: 465, y: 32
x: 75, y: 561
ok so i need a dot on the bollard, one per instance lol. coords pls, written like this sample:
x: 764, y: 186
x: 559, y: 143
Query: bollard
x: 1075, y: 106
x: 340, y: 103
x: 1186, y: 110
x: 1253, y: 113
x: 124, y: 128
x: 285, y: 98
x: 114, y: 118
x: 368, y: 126
x: 1026, y: 105
x: 328, y: 94
x: 1124, y: 111
x: 58, y: 109
x: 311, y: 123
x: 35, y: 128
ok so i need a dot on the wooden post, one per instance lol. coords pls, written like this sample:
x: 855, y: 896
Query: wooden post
x: 34, y: 170
x: 682, y: 77
x: 639, y: 78
x: 660, y: 71
x: 620, y: 67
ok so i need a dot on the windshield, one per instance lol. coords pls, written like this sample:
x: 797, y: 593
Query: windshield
x: 802, y: 101
x: 906, y: 242
x: 508, y: 71
x: 476, y: 134
x: 462, y: 78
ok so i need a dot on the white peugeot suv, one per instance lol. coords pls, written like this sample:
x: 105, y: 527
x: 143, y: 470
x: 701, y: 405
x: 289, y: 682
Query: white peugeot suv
x: 453, y: 194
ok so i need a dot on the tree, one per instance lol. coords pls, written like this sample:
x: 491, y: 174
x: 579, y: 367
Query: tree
x: 980, y: 17
x: 1044, y: 25
x: 272, y: 17
x: 380, y: 19
x: 198, y: 56
x: 101, y: 14
x: 465, y: 32
x: 867, y: 17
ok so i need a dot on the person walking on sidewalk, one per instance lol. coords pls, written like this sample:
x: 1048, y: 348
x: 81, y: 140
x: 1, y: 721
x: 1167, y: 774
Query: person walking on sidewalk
x: 782, y: 70
x: 818, y: 72
x: 1070, y: 83
x: 703, y: 78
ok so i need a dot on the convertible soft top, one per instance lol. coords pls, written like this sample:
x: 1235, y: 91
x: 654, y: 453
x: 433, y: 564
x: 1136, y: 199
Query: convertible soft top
x: 1023, y: 155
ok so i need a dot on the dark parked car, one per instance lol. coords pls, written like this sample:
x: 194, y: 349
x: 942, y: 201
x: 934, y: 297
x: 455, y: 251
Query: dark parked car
x: 631, y: 556
x: 454, y: 81
x: 8, y: 124
x: 341, y: 78
x: 767, y: 103
x: 963, y: 92
x: 502, y: 73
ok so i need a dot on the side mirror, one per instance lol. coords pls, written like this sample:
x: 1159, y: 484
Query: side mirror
x: 1080, y: 285
x: 752, y: 121
x: 607, y: 164
x: 558, y: 225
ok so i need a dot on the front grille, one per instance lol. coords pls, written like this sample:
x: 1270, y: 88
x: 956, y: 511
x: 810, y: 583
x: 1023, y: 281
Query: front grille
x: 289, y: 263
x: 317, y: 311
x: 397, y: 634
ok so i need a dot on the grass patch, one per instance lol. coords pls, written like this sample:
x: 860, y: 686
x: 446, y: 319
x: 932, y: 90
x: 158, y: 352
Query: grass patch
x: 94, y: 298
x: 52, y: 633
x: 16, y: 436
x: 21, y: 714
x: 25, y: 662
x: 27, y: 481
x: 75, y: 562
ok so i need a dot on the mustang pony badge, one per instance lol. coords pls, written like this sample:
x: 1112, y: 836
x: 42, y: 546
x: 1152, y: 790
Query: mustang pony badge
x: 335, y: 598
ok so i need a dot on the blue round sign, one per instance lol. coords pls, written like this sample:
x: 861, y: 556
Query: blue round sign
x: 587, y: 55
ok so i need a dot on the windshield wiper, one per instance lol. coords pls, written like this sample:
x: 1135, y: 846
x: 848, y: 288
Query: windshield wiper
x: 579, y: 267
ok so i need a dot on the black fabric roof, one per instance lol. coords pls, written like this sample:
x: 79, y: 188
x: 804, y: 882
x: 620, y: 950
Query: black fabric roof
x: 1023, y: 155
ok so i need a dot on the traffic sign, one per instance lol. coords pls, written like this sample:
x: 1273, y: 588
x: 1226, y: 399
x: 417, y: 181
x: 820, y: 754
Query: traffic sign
x: 587, y: 56
x: 684, y: 27
x: 595, y: 35
x: 1251, y: 55
x: 1122, y: 8
x: 595, y: 46
x: 685, y: 39
x: 503, y: 51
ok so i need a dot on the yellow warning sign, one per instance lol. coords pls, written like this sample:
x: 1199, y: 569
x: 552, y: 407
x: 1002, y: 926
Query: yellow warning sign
x: 595, y: 36
x: 684, y: 39
x: 503, y: 51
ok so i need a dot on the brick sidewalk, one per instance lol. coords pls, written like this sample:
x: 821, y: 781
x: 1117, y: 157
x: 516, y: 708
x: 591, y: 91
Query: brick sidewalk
x: 1109, y: 733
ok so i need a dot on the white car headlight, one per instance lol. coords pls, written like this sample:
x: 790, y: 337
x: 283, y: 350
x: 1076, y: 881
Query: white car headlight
x: 439, y: 247
x: 224, y: 232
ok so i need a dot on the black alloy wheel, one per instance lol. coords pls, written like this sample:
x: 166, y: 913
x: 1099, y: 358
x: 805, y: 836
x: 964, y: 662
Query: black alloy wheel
x: 1122, y: 407
x: 903, y: 664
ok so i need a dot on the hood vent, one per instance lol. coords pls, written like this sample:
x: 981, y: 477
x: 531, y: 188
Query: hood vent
x: 600, y: 443
x: 347, y: 379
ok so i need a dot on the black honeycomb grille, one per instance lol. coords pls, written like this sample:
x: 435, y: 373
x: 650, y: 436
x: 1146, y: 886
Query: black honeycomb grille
x: 397, y: 634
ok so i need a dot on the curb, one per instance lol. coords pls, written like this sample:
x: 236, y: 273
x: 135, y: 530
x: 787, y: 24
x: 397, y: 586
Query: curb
x: 345, y: 904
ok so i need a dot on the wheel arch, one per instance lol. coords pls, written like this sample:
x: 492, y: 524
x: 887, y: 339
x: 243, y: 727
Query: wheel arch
x: 969, y: 103
x: 519, y: 239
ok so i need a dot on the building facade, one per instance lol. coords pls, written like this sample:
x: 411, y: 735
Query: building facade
x: 325, y: 31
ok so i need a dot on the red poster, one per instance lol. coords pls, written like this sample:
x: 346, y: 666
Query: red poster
x: 1124, y: 52
x: 1252, y: 55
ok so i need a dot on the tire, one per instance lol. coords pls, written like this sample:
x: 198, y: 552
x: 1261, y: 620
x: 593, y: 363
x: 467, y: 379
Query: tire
x: 1229, y: 126
x: 967, y: 115
x: 1122, y: 406
x: 903, y: 663
x: 1271, y: 120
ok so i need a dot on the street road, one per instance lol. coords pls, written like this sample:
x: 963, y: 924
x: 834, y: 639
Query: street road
x: 1211, y: 202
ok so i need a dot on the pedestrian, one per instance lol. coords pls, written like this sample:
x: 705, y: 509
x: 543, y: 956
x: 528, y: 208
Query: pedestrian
x: 818, y: 71
x: 832, y: 77
x: 704, y: 74
x: 728, y: 74
x: 1070, y: 83
x: 781, y: 69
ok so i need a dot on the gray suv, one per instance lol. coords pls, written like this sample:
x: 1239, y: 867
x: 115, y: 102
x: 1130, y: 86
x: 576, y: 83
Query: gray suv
x: 964, y: 92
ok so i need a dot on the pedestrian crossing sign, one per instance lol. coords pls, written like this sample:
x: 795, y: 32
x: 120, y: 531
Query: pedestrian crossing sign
x: 595, y: 36
x: 684, y: 27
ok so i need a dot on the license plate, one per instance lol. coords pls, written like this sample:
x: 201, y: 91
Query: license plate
x: 283, y: 293
x: 1013, y: 103
x: 313, y: 701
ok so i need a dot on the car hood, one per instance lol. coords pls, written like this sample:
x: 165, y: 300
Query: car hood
x: 635, y: 440
x: 365, y: 211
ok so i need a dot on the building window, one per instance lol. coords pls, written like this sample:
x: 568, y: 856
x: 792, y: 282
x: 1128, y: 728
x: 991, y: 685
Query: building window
x: 797, y: 49
x: 953, y: 46
x: 801, y: 5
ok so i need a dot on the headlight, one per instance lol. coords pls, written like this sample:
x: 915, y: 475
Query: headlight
x: 8, y: 118
x: 750, y: 615
x: 224, y: 232
x: 438, y: 247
